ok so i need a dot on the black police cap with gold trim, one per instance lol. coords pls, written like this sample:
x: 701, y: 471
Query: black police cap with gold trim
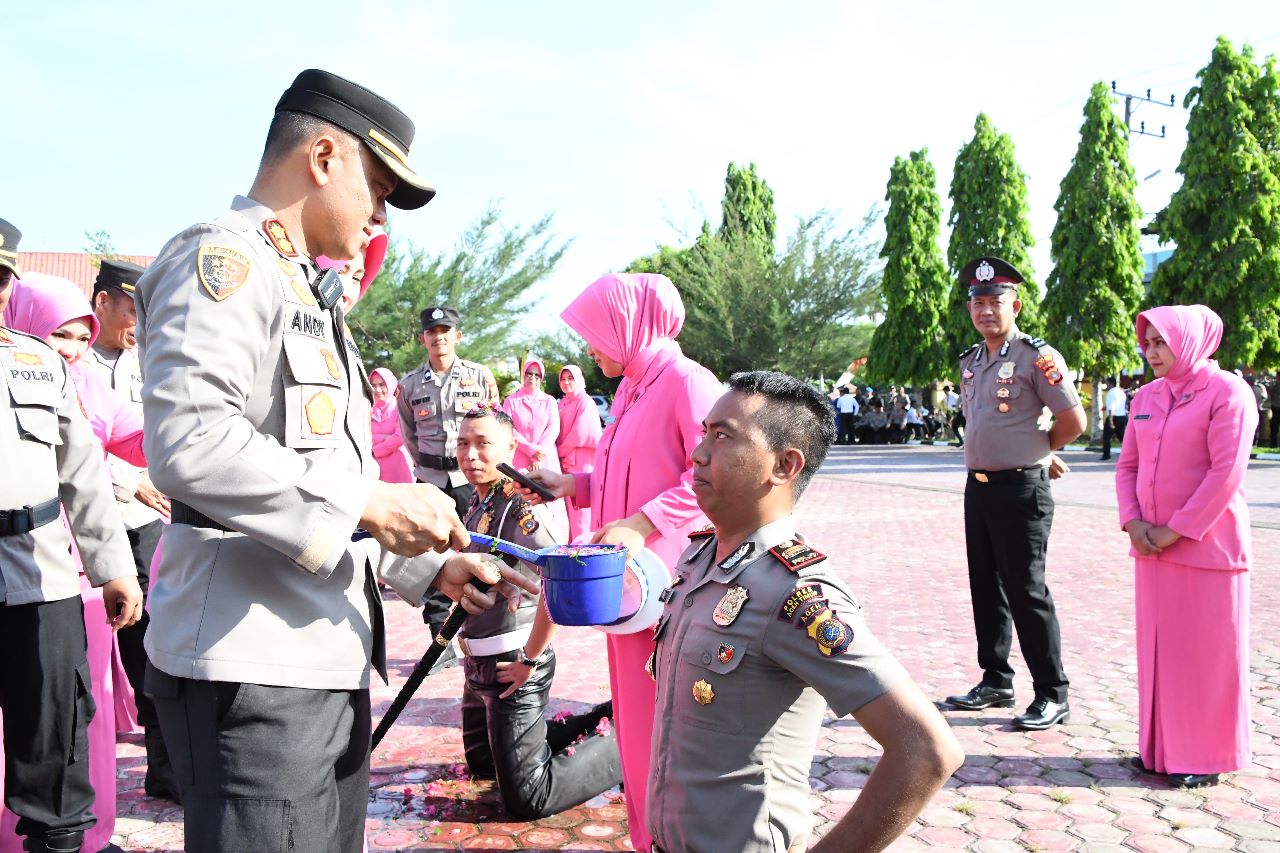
x: 439, y: 316
x: 9, y: 237
x: 371, y: 118
x: 118, y: 275
x: 990, y: 276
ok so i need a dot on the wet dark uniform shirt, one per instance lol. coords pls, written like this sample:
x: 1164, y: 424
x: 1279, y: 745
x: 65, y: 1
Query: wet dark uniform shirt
x: 748, y: 654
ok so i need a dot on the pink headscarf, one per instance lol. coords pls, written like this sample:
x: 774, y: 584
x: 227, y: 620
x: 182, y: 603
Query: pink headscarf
x: 387, y: 408
x: 579, y: 422
x: 374, y: 255
x: 40, y: 303
x: 521, y: 391
x: 1192, y: 332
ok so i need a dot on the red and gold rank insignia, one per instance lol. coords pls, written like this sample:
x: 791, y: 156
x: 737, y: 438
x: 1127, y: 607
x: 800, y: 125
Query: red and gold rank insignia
x: 831, y: 633
x: 330, y: 363
x: 221, y: 270
x: 730, y: 606
x: 30, y: 359
x: 795, y: 555
x: 703, y: 692
x: 725, y: 653
x: 1049, y: 368
x: 321, y: 413
x: 279, y: 237
x: 703, y: 532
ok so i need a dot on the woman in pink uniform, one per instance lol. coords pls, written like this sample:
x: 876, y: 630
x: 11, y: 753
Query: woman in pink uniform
x: 640, y: 492
x: 388, y: 443
x: 536, y: 419
x: 1180, y: 485
x: 579, y: 434
x: 56, y: 310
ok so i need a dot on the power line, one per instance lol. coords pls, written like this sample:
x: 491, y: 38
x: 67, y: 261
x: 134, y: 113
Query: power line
x: 1129, y: 100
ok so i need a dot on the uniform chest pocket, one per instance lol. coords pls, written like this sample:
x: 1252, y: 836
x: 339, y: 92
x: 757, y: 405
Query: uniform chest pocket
x: 711, y: 681
x: 315, y: 394
x: 35, y: 407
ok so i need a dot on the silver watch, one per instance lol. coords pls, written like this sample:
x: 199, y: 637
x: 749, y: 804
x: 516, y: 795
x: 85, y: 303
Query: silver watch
x: 528, y: 661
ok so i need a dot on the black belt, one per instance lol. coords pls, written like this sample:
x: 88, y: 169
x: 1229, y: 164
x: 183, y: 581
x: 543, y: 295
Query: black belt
x: 439, y: 463
x: 14, y: 522
x: 183, y: 514
x: 1009, y: 475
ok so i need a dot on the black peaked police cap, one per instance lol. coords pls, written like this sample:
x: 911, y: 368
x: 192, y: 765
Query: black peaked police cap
x: 990, y: 276
x: 121, y: 275
x: 371, y: 118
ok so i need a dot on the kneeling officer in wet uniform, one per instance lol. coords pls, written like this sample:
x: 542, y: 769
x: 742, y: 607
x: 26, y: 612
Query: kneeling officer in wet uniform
x: 758, y: 637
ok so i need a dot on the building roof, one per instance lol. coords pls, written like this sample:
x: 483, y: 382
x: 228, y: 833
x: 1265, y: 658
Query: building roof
x: 77, y: 266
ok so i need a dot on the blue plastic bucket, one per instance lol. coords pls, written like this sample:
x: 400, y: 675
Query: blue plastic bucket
x: 584, y: 588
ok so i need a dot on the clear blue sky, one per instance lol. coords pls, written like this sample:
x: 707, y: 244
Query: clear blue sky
x: 618, y: 119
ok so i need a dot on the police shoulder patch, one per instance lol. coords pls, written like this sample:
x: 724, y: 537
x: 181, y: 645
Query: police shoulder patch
x: 703, y: 532
x: 831, y: 633
x: 221, y: 270
x: 795, y: 555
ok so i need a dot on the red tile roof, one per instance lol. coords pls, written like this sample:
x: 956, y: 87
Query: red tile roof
x: 76, y: 266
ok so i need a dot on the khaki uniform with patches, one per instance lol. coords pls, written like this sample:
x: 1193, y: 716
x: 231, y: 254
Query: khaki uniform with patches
x: 257, y: 416
x: 1008, y: 400
x: 50, y: 451
x: 123, y: 372
x: 431, y: 411
x: 748, y: 655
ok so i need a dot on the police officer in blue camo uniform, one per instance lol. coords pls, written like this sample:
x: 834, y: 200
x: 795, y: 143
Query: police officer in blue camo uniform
x: 1020, y: 405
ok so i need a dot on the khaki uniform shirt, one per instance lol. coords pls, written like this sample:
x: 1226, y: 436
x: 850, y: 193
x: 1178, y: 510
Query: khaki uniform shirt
x: 257, y: 415
x: 1008, y: 401
x: 49, y: 450
x: 742, y: 688
x: 123, y: 372
x: 431, y: 411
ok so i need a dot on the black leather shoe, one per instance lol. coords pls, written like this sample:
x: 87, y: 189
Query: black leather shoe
x: 1041, y: 714
x: 1193, y: 780
x: 983, y: 696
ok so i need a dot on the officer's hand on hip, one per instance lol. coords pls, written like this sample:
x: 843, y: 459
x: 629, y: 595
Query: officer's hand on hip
x: 454, y: 579
x: 122, y: 598
x: 412, y: 518
x: 148, y: 494
x: 1057, y: 467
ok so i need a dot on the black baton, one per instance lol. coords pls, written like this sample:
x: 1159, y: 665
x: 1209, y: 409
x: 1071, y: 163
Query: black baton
x: 447, y: 631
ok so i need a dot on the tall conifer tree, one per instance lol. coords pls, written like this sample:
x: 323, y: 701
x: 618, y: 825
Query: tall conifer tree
x: 1225, y: 218
x: 989, y: 216
x: 907, y: 346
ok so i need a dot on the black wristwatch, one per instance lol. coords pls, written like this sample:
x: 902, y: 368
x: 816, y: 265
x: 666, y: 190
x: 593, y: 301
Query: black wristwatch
x: 528, y: 661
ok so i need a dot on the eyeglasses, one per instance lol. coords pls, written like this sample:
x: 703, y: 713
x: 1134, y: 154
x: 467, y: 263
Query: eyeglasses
x: 533, y: 373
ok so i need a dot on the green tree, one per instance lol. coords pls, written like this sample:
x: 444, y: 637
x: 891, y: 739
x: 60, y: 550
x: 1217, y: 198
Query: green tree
x: 1096, y: 285
x: 1225, y: 218
x: 98, y: 247
x: 487, y: 277
x: 988, y: 217
x: 907, y: 346
x: 747, y: 209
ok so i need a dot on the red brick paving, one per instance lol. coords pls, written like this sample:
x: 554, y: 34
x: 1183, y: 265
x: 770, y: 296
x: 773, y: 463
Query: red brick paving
x: 890, y: 517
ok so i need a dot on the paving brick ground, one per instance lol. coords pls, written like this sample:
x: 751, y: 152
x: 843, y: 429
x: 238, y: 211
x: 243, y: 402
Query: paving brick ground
x: 890, y: 518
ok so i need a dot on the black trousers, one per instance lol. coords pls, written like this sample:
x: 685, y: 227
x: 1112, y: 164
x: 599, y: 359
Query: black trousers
x: 511, y: 740
x: 844, y: 427
x: 266, y: 769
x: 435, y: 608
x: 1108, y: 430
x: 1006, y: 526
x: 47, y: 706
x: 143, y: 541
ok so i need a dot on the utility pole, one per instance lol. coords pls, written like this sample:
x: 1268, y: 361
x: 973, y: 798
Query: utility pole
x: 1129, y: 110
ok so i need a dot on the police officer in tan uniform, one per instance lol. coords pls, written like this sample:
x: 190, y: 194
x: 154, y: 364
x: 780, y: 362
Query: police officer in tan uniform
x: 114, y: 356
x: 265, y: 611
x: 52, y: 462
x: 758, y: 637
x: 1020, y: 405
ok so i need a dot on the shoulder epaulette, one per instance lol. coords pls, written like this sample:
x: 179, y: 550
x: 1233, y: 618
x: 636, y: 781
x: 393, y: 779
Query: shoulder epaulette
x: 703, y: 532
x: 1038, y: 343
x: 970, y: 351
x: 6, y: 331
x: 795, y: 555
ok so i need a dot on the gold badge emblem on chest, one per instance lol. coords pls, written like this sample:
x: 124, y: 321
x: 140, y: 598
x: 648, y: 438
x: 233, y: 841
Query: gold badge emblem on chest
x: 730, y: 606
x: 330, y: 363
x: 1006, y: 370
x: 703, y: 692
x: 321, y: 413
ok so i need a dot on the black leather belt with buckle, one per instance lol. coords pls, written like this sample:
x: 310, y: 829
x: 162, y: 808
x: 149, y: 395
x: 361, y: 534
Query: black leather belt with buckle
x: 1009, y: 475
x: 439, y: 463
x: 14, y: 522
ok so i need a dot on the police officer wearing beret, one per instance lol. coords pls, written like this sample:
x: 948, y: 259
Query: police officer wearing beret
x: 52, y: 462
x: 757, y: 638
x: 265, y: 611
x: 1020, y: 405
x: 432, y: 401
x: 114, y: 356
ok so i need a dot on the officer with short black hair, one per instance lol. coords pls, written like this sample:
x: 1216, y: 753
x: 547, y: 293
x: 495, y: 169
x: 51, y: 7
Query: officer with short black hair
x: 52, y: 462
x: 1013, y: 387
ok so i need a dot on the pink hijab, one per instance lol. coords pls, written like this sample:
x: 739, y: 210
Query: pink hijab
x: 522, y: 391
x: 374, y: 255
x: 634, y: 319
x: 41, y: 303
x: 387, y: 408
x: 579, y: 423
x: 1192, y: 332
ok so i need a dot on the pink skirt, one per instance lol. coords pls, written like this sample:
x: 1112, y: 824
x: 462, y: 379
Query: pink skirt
x: 634, y: 698
x: 1193, y: 667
